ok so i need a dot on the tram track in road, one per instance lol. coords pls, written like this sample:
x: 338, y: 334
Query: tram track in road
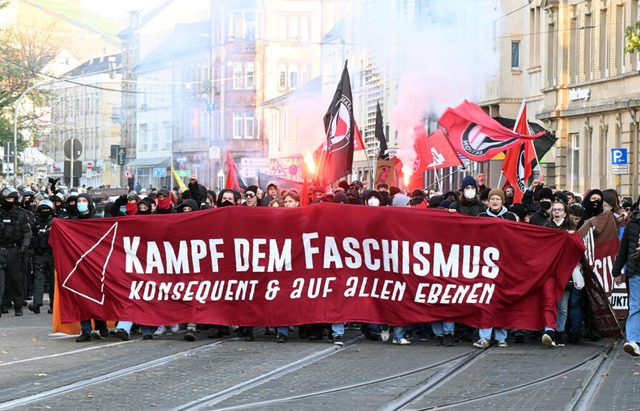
x: 47, y: 394
x: 460, y: 361
x: 603, y: 359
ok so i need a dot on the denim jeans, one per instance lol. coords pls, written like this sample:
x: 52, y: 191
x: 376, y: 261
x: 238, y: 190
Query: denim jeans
x: 441, y: 328
x: 501, y: 334
x: 633, y: 320
x: 575, y: 309
x: 563, y: 310
x: 337, y: 329
x: 283, y: 330
x: 146, y: 329
x: 398, y: 332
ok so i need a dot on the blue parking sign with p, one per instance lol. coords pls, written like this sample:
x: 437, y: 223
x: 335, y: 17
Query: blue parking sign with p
x: 619, y: 156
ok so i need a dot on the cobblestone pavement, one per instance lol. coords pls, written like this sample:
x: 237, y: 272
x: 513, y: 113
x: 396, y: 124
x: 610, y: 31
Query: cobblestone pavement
x: 43, y: 371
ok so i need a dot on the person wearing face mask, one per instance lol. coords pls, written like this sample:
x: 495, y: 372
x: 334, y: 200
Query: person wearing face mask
x: 541, y: 216
x: 43, y: 256
x: 128, y: 201
x: 163, y: 201
x: 15, y: 237
x: 85, y: 209
x: 469, y: 203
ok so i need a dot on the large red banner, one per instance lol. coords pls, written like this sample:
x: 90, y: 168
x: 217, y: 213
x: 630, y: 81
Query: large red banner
x: 325, y: 263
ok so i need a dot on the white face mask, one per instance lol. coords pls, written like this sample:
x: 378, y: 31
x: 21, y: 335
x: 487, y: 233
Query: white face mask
x: 469, y: 193
x: 373, y: 202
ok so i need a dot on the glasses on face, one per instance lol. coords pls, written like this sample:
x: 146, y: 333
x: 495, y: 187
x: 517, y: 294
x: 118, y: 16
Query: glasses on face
x: 557, y: 209
x: 249, y: 195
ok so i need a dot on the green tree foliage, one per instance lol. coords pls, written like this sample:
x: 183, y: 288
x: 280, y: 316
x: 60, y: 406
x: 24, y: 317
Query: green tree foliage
x: 632, y: 34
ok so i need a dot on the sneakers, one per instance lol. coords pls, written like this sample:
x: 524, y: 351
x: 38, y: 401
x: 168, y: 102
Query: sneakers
x: 337, y: 340
x: 632, y: 348
x: 384, y: 335
x: 448, y: 340
x: 548, y: 338
x: 482, y: 343
x: 147, y: 337
x: 84, y: 337
x: 34, y: 308
x: 248, y: 335
x: 502, y: 344
x: 161, y: 330
x: 439, y: 340
x: 122, y: 334
x: 281, y: 338
x: 190, y: 336
x: 174, y: 329
x: 19, y: 313
x: 402, y: 341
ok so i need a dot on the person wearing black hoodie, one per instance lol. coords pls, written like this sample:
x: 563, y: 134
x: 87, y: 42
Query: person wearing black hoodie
x: 541, y: 216
x: 163, y: 199
x: 469, y: 203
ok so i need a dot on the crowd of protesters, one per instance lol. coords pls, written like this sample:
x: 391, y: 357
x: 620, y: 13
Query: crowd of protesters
x: 27, y: 271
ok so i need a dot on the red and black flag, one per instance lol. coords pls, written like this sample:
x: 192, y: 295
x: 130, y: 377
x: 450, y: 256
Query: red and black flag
x: 383, y: 150
x: 336, y: 160
x: 234, y: 180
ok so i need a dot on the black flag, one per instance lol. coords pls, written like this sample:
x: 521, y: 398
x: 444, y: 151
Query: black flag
x: 383, y: 151
x: 541, y: 144
x: 336, y: 160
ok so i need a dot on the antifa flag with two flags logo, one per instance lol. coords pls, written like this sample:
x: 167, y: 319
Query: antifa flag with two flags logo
x: 517, y: 164
x: 477, y: 136
x: 336, y: 159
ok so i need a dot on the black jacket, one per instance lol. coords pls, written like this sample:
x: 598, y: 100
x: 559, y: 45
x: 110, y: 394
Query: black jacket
x: 628, y: 248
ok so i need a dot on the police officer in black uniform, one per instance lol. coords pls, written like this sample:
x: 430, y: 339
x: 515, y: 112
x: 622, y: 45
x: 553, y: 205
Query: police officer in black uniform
x: 43, y: 258
x: 15, y: 236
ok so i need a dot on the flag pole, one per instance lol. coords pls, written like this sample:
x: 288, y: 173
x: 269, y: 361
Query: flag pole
x: 537, y: 161
x: 459, y: 168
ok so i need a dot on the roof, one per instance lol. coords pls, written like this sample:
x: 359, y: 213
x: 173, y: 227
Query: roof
x: 96, y: 65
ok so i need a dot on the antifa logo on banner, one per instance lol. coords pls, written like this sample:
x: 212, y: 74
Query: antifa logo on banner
x: 340, y: 126
x: 478, y: 143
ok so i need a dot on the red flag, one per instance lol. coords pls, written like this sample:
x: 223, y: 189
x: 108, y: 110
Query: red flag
x: 476, y: 135
x: 234, y: 182
x: 337, y: 154
x: 358, y: 144
x: 517, y: 162
x: 434, y: 152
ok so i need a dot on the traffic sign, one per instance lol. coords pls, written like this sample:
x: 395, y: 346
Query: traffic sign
x: 72, y: 148
x: 618, y: 169
x: 279, y: 172
x: 183, y: 173
x: 127, y: 174
x: 159, y: 172
x: 181, y: 159
x: 619, y: 156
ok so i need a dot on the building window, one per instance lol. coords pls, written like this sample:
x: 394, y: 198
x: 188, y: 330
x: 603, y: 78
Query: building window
x: 144, y: 137
x: 515, y: 55
x: 293, y: 76
x: 283, y: 77
x: 294, y: 29
x: 154, y: 139
x: 166, y: 135
x: 237, y: 75
x: 588, y: 44
x: 574, y: 34
x: 534, y: 42
x: 552, y: 66
x: 237, y: 125
x: 249, y: 125
x: 305, y: 31
x: 250, y: 75
x: 604, y: 45
x: 621, y: 24
x: 574, y: 162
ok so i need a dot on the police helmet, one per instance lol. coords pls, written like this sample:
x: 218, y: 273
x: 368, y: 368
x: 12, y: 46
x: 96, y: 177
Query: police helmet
x: 46, y: 204
x: 9, y: 192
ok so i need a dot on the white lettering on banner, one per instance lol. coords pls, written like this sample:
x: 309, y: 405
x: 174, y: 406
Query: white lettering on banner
x: 395, y: 256
x: 454, y: 293
x: 278, y: 260
x: 313, y: 288
x: 261, y: 255
x: 360, y: 287
x: 200, y: 291
x: 185, y: 260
